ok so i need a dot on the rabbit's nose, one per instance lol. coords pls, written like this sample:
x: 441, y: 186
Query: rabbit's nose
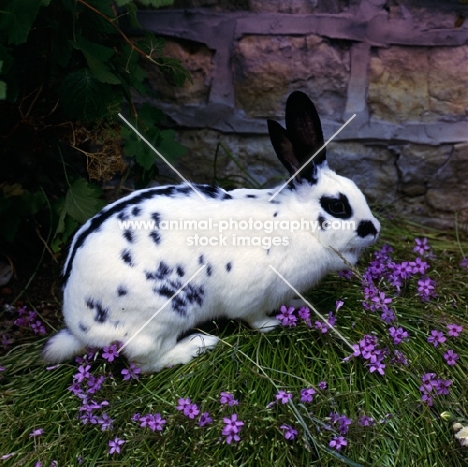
x: 366, y: 228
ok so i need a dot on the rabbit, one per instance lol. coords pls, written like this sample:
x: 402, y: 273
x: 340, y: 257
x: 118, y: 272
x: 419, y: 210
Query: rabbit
x: 135, y: 275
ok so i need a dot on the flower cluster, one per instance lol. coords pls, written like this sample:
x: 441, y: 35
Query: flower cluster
x: 432, y: 386
x: 30, y: 319
x: 287, y: 317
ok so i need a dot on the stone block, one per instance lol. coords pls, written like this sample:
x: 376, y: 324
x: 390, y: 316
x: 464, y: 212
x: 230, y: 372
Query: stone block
x: 197, y: 59
x: 419, y: 166
x: 418, y: 83
x: 237, y: 160
x: 267, y: 69
x: 372, y: 168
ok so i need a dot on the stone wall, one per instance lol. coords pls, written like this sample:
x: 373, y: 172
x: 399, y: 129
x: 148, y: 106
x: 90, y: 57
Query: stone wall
x: 400, y: 65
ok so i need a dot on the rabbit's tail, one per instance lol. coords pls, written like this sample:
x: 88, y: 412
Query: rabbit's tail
x: 61, y: 347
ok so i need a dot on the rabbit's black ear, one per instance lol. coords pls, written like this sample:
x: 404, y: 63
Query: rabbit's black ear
x: 284, y: 149
x: 304, y: 130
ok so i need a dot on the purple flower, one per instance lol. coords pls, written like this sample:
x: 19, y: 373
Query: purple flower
x: 421, y: 246
x: 346, y: 273
x: 37, y: 432
x: 135, y: 417
x: 387, y: 314
x: 289, y: 431
x: 228, y: 398
x: 131, y: 373
x: 205, y: 419
x: 183, y: 403
x: 307, y: 394
x: 365, y: 420
x: 454, y: 330
x: 115, y: 445
x: 105, y: 421
x: 381, y: 300
x: 341, y: 421
x: 232, y: 428
x: 110, y: 353
x: 322, y: 385
x: 283, y: 397
x: 287, y: 317
x: 377, y: 366
x: 436, y: 338
x: 464, y: 263
x: 338, y: 442
x: 304, y: 313
x: 338, y: 304
x: 83, y: 373
x: 153, y: 422
x: 38, y: 328
x: 451, y: 357
x: 191, y: 411
x: 426, y: 288
x: 398, y: 335
x: 442, y: 385
x: 6, y: 341
x: 419, y: 266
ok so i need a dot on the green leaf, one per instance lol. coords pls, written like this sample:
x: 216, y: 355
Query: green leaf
x: 177, y: 71
x: 82, y: 96
x: 170, y: 148
x: 92, y: 49
x: 82, y: 201
x: 17, y: 18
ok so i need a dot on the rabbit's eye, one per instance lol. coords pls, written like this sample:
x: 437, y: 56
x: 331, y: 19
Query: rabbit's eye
x: 337, y: 207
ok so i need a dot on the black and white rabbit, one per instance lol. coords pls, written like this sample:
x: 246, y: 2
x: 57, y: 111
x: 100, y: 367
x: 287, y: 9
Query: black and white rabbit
x: 124, y: 264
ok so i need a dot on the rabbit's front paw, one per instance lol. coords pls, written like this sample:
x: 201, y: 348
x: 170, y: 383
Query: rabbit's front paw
x: 189, y: 348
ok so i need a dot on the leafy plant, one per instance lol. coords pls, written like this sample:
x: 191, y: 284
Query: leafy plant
x: 68, y: 67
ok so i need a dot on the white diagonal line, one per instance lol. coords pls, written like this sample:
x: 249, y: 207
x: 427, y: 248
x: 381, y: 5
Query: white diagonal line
x: 325, y: 144
x: 162, y: 157
x: 313, y: 308
x: 157, y: 312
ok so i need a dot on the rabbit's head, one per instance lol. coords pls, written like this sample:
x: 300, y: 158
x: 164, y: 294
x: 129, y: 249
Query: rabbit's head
x: 336, y: 205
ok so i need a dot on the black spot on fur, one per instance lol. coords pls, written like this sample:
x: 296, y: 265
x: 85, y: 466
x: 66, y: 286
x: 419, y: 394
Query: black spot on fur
x: 179, y: 305
x: 136, y: 211
x: 127, y: 257
x: 209, y: 270
x: 156, y: 237
x: 201, y: 260
x: 123, y: 215
x: 180, y: 271
x: 268, y: 251
x: 185, y: 189
x: 275, y: 214
x: 128, y: 235
x: 213, y: 192
x: 83, y: 327
x: 195, y: 294
x: 251, y: 196
x: 165, y: 291
x: 161, y: 273
x: 157, y: 218
x: 321, y: 220
x: 121, y: 291
x: 228, y: 267
x: 101, y: 313
x: 275, y: 202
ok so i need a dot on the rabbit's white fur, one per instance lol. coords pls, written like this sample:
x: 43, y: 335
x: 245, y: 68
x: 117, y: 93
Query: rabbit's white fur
x: 117, y: 279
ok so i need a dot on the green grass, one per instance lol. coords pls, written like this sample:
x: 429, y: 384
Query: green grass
x: 254, y: 367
